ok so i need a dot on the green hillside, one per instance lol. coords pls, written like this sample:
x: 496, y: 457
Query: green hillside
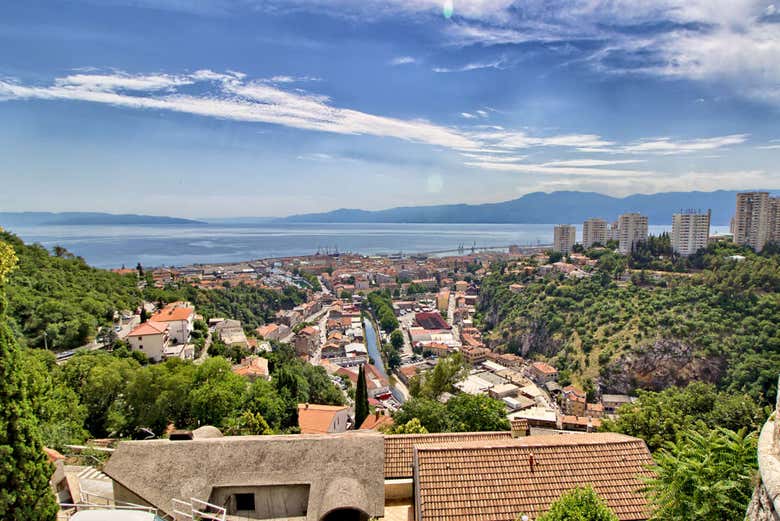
x: 720, y: 324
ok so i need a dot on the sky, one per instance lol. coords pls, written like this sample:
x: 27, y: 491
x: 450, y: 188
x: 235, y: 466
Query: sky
x: 223, y: 108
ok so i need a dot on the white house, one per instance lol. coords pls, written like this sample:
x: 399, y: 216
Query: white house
x: 150, y: 338
x: 180, y: 319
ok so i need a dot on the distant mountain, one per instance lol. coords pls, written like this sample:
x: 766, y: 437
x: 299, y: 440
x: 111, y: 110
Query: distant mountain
x: 543, y: 208
x: 88, y: 219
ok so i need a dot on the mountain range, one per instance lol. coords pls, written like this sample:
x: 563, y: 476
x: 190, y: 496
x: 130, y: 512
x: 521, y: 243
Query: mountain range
x: 543, y: 208
x: 88, y: 219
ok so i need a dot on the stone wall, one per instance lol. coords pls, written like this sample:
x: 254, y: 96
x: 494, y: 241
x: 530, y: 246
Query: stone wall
x: 765, y: 504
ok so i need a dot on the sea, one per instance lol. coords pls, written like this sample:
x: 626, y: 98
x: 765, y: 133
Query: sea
x: 175, y: 245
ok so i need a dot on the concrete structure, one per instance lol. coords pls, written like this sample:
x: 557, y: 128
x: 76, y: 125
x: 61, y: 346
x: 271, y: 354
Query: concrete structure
x: 594, y: 230
x: 315, y: 477
x: 151, y: 339
x: 690, y: 232
x: 564, y: 237
x: 757, y: 219
x: 632, y: 228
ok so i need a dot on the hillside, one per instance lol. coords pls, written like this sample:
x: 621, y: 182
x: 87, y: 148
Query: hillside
x: 543, y: 208
x: 88, y: 219
x: 719, y: 325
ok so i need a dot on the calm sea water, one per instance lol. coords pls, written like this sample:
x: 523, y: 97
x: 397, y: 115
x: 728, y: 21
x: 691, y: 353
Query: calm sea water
x: 114, y: 246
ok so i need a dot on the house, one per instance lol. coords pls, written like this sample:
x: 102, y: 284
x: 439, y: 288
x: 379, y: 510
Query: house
x: 377, y: 421
x: 151, y: 339
x: 406, y: 373
x: 510, y: 360
x: 321, y: 419
x: 311, y: 478
x: 253, y: 367
x: 307, y: 340
x: 612, y: 402
x: 180, y: 318
x: 573, y: 401
x: 541, y: 372
x: 475, y: 355
x: 503, y: 391
x: 437, y: 349
x: 579, y: 423
x: 499, y: 479
x: 541, y: 417
x: 231, y: 333
x: 272, y: 331
x: 333, y: 350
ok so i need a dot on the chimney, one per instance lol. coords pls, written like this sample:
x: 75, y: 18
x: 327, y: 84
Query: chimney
x: 376, y: 414
x: 519, y: 427
x: 307, y: 406
x: 531, y: 460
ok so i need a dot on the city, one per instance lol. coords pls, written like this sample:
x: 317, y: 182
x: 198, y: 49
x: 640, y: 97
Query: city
x: 390, y: 260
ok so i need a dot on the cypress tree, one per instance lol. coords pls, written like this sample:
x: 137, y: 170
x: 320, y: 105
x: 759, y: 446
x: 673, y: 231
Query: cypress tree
x: 361, y: 398
x: 25, y: 494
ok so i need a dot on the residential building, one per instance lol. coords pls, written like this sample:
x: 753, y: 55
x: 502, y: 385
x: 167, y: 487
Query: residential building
x: 231, y: 333
x: 594, y: 231
x: 151, y: 339
x: 524, y: 475
x: 321, y: 419
x: 272, y: 331
x: 475, y: 355
x: 564, y: 237
x: 613, y: 231
x: 377, y: 421
x: 757, y: 219
x: 573, y: 401
x: 180, y: 318
x: 632, y: 228
x: 612, y: 402
x: 541, y: 372
x: 690, y: 232
x: 307, y: 340
x: 253, y: 367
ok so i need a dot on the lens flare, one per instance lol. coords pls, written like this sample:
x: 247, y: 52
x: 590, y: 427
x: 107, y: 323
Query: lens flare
x: 447, y: 9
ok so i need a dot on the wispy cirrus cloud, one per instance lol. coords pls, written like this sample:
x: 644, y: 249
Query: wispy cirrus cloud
x: 232, y: 96
x: 500, y: 63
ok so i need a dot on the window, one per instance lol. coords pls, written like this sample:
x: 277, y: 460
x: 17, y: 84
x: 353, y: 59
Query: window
x: 140, y: 347
x: 245, y: 502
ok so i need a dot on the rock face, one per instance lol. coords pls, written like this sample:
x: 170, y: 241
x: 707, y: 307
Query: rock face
x: 658, y: 365
x: 766, y: 496
x: 760, y: 507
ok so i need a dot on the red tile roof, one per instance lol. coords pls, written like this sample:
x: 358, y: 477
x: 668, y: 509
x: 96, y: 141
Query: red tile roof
x: 431, y: 321
x: 169, y: 314
x: 316, y: 419
x: 399, y: 448
x: 375, y: 421
x: 544, y: 368
x: 149, y: 328
x: 498, y: 480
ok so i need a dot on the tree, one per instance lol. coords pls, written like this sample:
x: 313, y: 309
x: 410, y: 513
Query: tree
x: 578, y: 504
x: 413, y: 426
x: 24, y: 469
x: 448, y: 372
x: 361, y: 398
x: 247, y: 424
x: 476, y: 413
x: 706, y: 477
x: 397, y: 339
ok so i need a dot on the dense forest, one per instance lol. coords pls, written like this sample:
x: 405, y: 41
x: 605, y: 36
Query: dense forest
x: 716, y: 320
x: 57, y: 300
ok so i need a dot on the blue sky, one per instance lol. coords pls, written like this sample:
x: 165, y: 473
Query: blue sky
x: 250, y: 107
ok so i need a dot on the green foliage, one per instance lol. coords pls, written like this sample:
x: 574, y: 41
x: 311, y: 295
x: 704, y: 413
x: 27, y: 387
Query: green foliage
x: 247, y: 424
x: 361, y: 397
x: 704, y: 476
x: 727, y: 315
x: 8, y: 260
x: 462, y: 413
x: 397, y: 339
x: 659, y: 417
x: 382, y: 307
x: 24, y: 468
x: 442, y: 378
x: 413, y: 426
x: 578, y: 504
x: 62, y: 296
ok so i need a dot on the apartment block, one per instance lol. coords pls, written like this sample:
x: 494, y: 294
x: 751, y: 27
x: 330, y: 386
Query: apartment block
x: 632, y: 228
x: 564, y: 237
x: 594, y: 231
x: 690, y: 231
x: 757, y: 219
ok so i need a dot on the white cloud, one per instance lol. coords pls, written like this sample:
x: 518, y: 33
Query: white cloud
x: 579, y: 163
x: 475, y: 66
x: 666, y: 146
x: 122, y: 81
x: 403, y: 60
x: 467, y: 115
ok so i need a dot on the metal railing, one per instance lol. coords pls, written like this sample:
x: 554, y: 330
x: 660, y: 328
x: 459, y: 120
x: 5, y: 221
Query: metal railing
x: 67, y: 510
x: 197, y: 510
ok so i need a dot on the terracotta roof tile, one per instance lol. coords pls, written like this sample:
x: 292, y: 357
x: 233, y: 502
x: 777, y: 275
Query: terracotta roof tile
x: 316, y: 419
x: 399, y: 448
x: 499, y: 479
x: 149, y: 328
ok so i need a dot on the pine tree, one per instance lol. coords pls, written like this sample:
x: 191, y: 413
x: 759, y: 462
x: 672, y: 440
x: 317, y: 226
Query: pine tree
x: 361, y: 398
x: 25, y: 494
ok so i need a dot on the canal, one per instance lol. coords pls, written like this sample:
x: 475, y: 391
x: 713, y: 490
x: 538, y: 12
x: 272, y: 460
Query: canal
x: 373, y: 345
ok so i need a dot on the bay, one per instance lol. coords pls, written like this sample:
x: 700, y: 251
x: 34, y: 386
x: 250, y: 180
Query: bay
x: 115, y: 246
